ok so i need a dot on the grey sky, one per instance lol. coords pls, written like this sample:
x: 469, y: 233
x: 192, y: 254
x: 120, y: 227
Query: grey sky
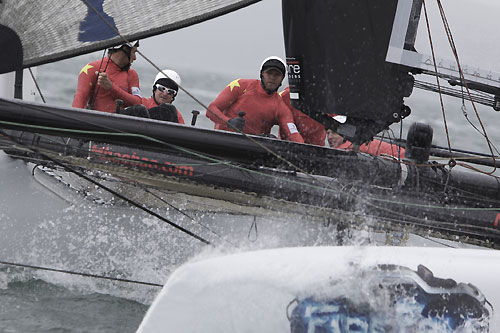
x: 473, y: 25
x: 235, y: 43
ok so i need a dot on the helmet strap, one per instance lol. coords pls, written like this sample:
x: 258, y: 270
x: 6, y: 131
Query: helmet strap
x: 154, y: 97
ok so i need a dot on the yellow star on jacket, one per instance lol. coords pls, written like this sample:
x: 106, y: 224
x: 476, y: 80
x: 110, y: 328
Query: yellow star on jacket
x: 233, y: 84
x: 85, y: 69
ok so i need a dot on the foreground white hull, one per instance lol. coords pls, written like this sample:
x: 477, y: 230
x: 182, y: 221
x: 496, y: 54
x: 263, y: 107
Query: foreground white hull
x: 255, y: 291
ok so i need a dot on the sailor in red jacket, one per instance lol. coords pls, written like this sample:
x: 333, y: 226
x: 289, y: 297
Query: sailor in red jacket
x: 312, y: 131
x: 375, y: 147
x: 116, y: 80
x: 165, y: 89
x: 258, y: 99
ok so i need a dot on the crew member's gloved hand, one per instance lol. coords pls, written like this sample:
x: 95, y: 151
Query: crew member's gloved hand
x: 165, y: 112
x: 238, y: 122
x: 136, y: 111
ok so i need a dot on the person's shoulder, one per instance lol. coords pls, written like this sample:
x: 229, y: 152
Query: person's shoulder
x: 240, y: 85
x: 242, y: 82
x: 132, y: 73
x: 148, y: 102
x: 285, y: 93
x: 285, y: 96
x: 90, y: 68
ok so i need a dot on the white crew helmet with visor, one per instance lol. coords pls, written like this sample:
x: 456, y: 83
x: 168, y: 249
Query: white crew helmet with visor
x: 168, y: 74
x: 169, y: 79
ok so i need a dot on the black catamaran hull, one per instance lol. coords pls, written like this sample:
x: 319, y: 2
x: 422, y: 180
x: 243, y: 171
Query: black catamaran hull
x: 205, y: 162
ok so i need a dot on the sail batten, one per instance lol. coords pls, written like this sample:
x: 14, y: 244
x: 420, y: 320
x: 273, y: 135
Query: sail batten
x: 54, y: 30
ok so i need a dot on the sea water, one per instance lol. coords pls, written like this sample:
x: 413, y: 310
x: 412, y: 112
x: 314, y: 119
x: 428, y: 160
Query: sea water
x: 38, y: 227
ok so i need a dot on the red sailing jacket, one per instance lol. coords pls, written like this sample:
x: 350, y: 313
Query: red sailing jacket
x: 151, y: 103
x: 125, y: 87
x: 263, y: 111
x: 312, y: 131
x: 377, y: 148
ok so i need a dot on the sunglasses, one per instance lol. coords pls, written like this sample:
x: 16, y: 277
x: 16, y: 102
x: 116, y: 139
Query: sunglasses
x: 165, y: 89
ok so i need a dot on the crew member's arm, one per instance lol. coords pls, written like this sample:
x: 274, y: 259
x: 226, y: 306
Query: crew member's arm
x: 227, y: 97
x: 84, y: 90
x: 288, y: 130
x: 378, y: 147
x: 131, y: 97
x: 179, y: 116
x: 311, y: 130
x: 285, y: 95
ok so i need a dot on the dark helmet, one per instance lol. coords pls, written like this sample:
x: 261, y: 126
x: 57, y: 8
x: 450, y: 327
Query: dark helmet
x: 275, y: 63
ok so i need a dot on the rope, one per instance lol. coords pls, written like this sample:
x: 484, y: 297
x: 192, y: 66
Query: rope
x: 36, y: 84
x: 183, y: 213
x: 437, y: 80
x: 91, y: 102
x: 95, y: 276
x: 462, y: 77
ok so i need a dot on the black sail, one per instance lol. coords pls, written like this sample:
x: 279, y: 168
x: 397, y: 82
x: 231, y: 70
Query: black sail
x: 336, y: 51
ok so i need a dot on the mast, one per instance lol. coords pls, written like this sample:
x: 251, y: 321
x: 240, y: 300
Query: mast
x: 18, y: 84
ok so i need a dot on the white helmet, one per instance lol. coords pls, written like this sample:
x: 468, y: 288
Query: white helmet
x: 274, y: 62
x: 168, y: 74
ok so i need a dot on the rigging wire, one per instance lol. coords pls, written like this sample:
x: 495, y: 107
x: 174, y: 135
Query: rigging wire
x: 189, y: 217
x: 478, y: 97
x: 436, y: 241
x: 437, y: 79
x: 462, y: 77
x: 474, y: 155
x: 90, y: 104
x: 95, y: 276
x: 36, y: 84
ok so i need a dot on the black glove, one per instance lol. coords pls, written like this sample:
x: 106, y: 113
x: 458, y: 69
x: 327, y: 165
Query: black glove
x: 165, y: 112
x: 136, y: 111
x: 237, y: 123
